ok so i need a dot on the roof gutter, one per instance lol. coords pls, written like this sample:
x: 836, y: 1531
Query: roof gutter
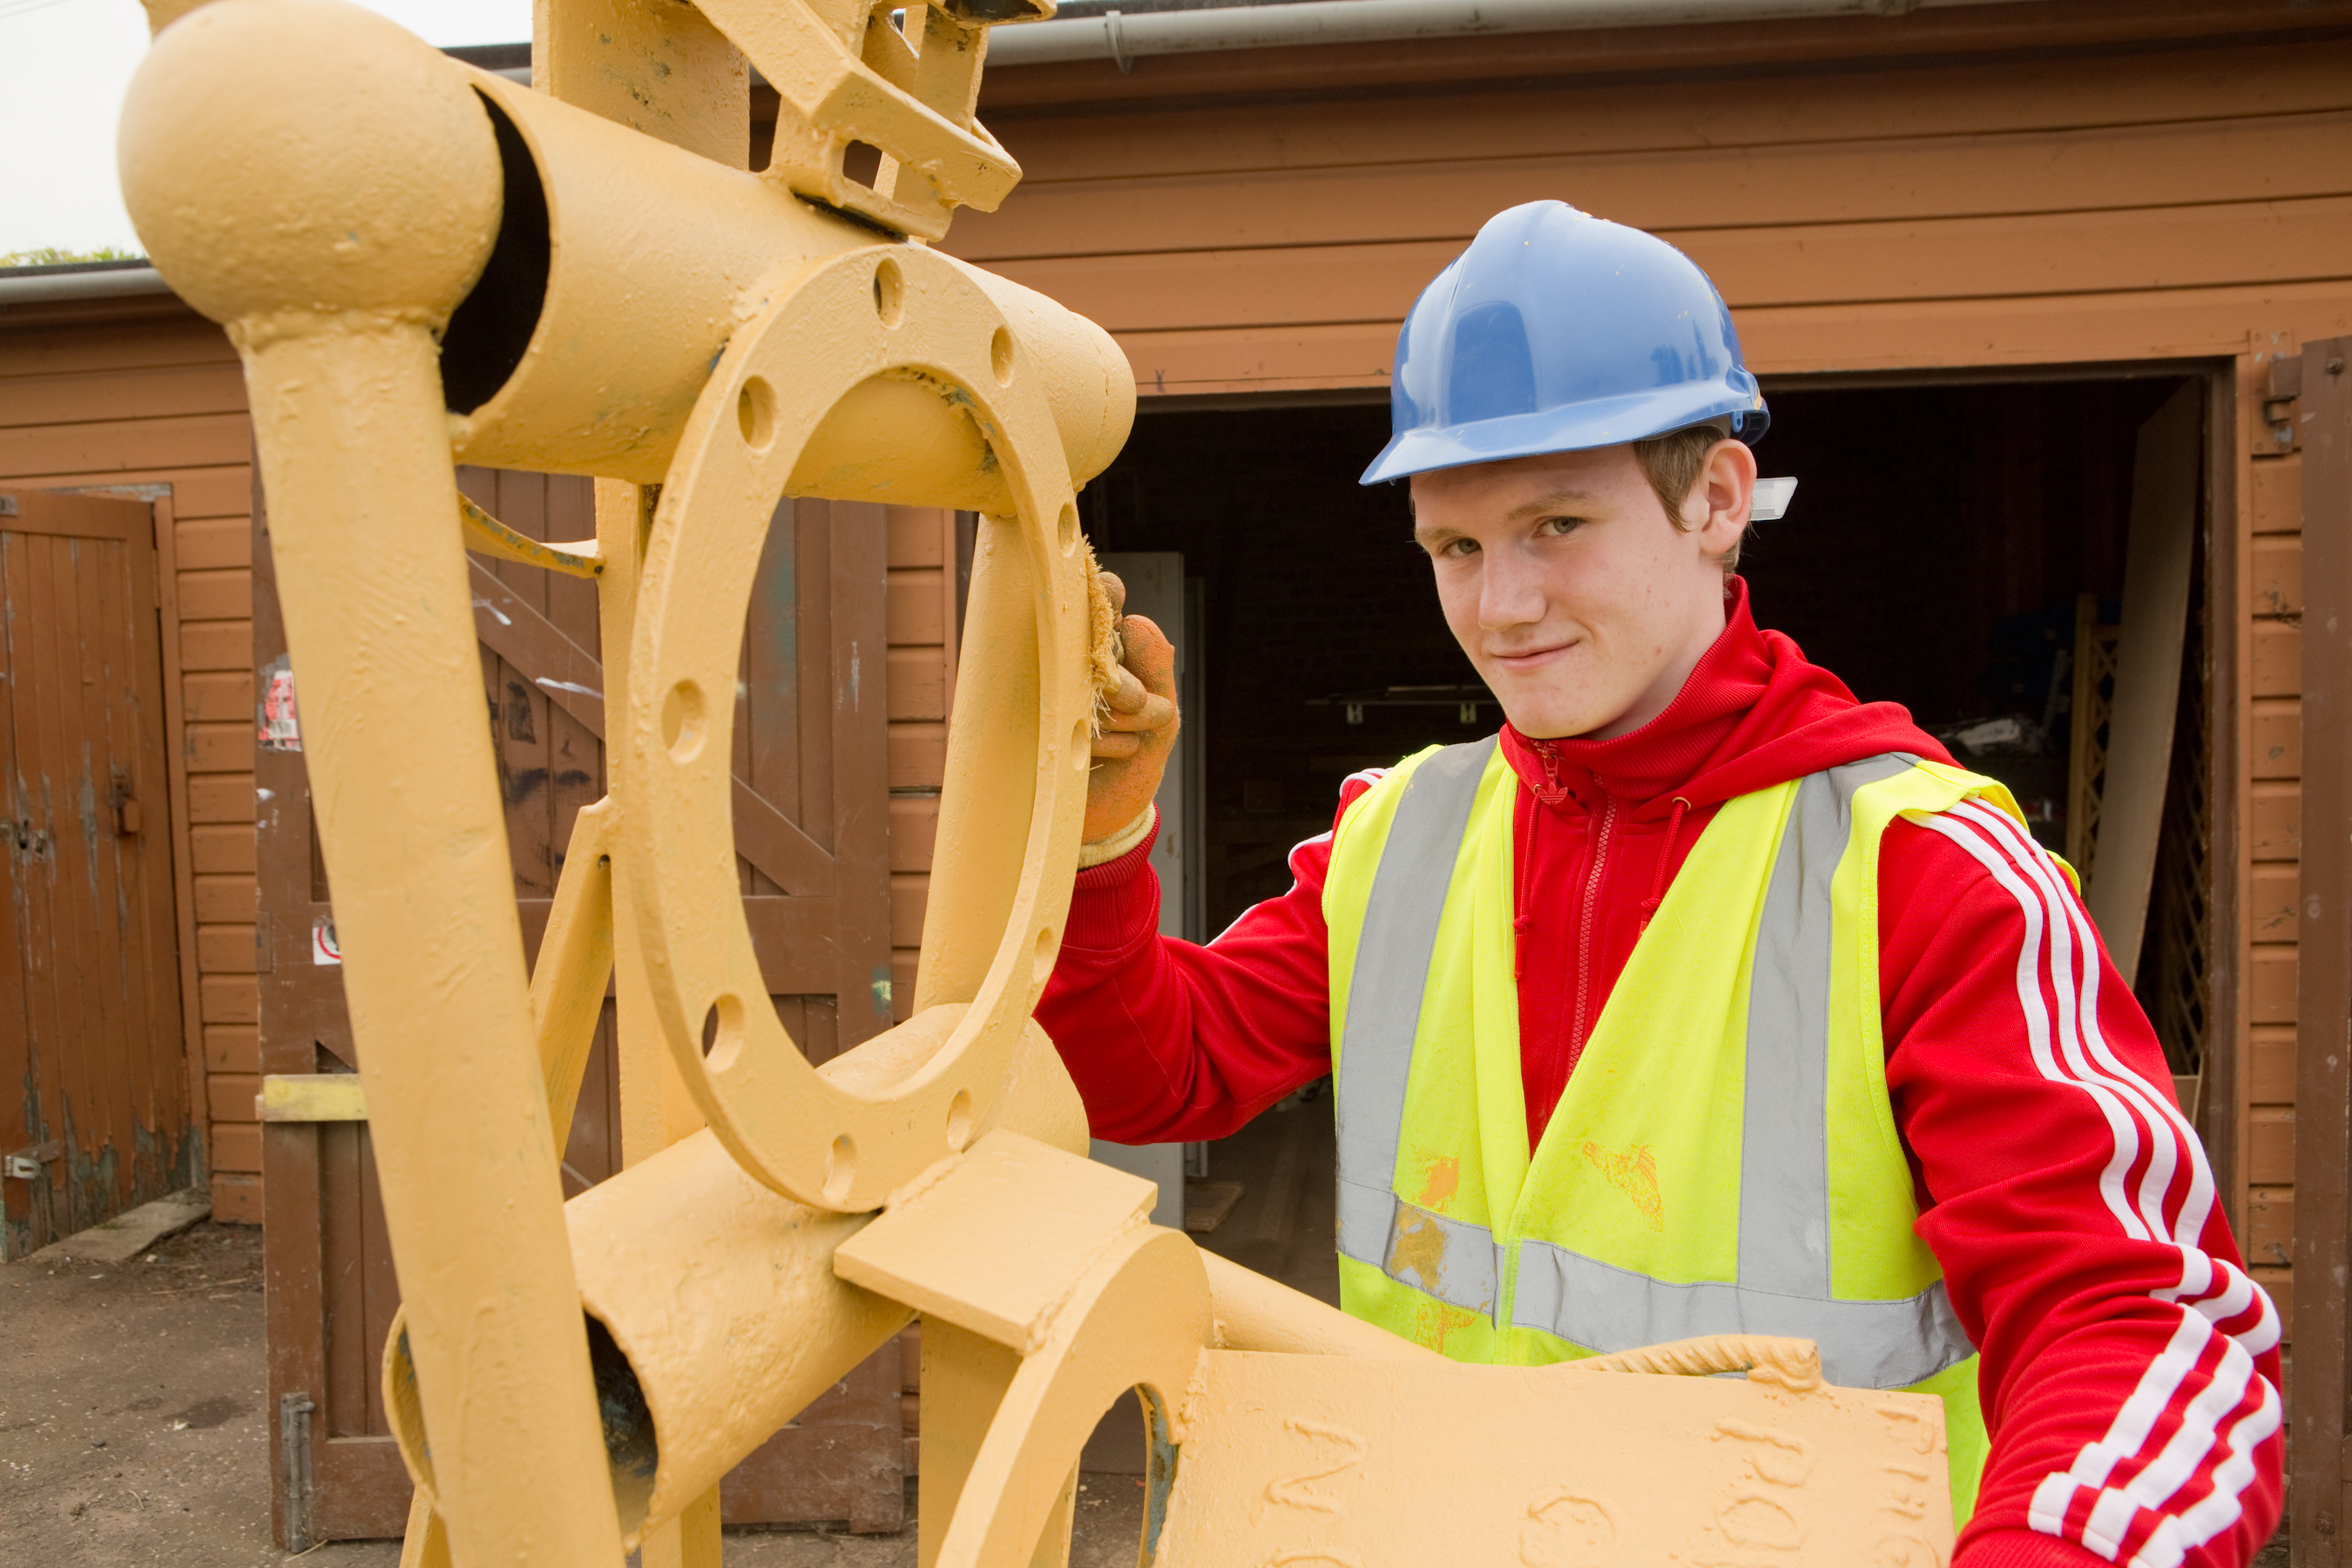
x: 1124, y: 37
x: 46, y: 288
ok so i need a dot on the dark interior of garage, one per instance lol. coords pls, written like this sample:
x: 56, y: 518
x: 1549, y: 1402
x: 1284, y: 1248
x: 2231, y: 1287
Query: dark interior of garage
x: 1945, y: 546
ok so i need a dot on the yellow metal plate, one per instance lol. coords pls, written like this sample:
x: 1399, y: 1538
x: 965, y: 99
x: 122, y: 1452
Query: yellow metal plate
x: 996, y: 1244
x: 1337, y: 1461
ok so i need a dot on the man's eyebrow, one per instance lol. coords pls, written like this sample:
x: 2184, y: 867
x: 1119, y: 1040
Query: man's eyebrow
x: 1559, y: 501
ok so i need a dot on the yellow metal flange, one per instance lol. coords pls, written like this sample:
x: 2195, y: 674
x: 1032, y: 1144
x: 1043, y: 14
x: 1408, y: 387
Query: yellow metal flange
x: 896, y: 313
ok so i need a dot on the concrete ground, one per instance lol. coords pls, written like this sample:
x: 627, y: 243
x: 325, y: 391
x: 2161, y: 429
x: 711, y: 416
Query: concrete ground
x: 133, y: 1429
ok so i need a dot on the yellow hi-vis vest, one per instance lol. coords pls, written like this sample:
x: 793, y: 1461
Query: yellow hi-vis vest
x: 1725, y: 1158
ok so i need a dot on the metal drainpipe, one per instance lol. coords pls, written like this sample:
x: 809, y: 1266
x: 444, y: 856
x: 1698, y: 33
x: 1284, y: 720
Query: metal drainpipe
x: 1125, y: 36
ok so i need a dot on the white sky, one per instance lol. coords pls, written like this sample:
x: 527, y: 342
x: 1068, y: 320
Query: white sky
x: 63, y: 67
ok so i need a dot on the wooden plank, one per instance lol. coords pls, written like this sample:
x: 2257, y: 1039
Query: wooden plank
x: 2270, y: 984
x: 914, y: 829
x: 916, y: 613
x: 2273, y: 910
x: 2270, y: 1155
x: 224, y: 596
x: 218, y: 746
x: 232, y: 1048
x: 117, y: 447
x: 292, y: 1272
x: 2275, y: 822
x: 2274, y: 587
x: 918, y: 683
x: 2164, y: 515
x: 919, y: 755
x: 149, y: 393
x: 2277, y: 659
x: 1896, y: 335
x: 1680, y: 188
x: 1798, y: 264
x: 2277, y: 742
x: 204, y: 490
x: 2272, y: 1080
x: 83, y: 348
x: 2278, y: 495
x: 1940, y: 99
x: 2323, y: 1243
x: 39, y: 512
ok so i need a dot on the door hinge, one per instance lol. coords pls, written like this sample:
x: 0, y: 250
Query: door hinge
x: 294, y: 1455
x: 2275, y: 434
x: 25, y: 1165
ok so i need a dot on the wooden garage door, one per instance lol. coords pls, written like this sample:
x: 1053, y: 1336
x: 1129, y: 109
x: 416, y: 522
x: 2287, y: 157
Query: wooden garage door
x: 812, y: 824
x: 95, y: 1115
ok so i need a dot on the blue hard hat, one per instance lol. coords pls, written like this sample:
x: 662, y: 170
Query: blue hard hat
x: 1559, y: 331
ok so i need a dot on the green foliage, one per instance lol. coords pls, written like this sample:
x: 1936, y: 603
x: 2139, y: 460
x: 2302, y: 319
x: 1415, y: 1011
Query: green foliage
x: 50, y: 255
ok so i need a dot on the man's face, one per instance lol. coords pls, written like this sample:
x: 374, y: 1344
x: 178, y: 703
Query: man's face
x: 1582, y: 604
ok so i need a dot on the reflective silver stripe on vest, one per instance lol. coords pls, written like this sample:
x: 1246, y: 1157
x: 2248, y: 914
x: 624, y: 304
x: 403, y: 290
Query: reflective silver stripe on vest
x: 1453, y: 1261
x: 1784, y: 1145
x: 1863, y: 1344
x: 1784, y: 1286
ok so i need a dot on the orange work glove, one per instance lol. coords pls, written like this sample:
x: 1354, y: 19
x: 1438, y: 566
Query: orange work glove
x: 1137, y: 733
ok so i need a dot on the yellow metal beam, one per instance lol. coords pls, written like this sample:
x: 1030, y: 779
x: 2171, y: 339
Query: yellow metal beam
x: 492, y: 537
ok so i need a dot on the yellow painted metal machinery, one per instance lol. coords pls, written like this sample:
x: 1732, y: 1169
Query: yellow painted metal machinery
x: 424, y: 264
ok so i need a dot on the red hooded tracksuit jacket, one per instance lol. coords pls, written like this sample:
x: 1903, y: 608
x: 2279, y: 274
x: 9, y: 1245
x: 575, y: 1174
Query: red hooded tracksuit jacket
x: 2130, y: 1367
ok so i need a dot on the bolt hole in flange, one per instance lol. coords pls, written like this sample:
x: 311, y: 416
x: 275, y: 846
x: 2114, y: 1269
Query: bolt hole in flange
x: 682, y: 721
x: 840, y: 1169
x: 890, y: 293
x: 1066, y: 529
x: 1041, y: 962
x: 959, y: 1121
x: 1082, y: 741
x: 722, y: 1033
x: 1000, y: 355
x: 755, y: 412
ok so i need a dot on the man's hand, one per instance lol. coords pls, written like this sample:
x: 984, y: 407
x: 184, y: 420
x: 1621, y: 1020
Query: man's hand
x: 1139, y: 728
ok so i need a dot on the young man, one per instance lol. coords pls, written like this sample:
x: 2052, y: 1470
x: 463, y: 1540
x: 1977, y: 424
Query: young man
x: 1702, y: 999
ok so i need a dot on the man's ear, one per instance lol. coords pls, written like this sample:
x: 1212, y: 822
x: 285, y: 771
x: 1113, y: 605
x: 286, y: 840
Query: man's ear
x: 1717, y: 509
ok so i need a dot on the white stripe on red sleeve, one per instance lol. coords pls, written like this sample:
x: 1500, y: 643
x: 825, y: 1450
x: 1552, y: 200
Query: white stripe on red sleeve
x: 2173, y: 1467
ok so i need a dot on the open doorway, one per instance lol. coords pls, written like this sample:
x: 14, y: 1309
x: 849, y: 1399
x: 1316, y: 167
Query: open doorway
x: 1960, y: 549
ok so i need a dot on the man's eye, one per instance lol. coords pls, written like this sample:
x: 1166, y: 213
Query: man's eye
x: 1459, y: 547
x: 1556, y: 526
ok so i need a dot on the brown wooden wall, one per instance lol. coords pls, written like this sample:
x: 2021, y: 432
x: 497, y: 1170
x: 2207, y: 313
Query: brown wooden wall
x: 1941, y: 194
x: 142, y: 393
x: 147, y: 393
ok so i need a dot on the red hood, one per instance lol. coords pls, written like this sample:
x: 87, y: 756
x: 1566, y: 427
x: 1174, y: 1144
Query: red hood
x: 1753, y: 713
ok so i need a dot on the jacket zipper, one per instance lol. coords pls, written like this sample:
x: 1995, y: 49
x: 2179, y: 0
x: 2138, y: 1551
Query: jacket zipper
x: 1584, y: 933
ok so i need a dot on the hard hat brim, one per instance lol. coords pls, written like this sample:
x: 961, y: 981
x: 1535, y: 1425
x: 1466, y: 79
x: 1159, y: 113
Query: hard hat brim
x: 1573, y: 427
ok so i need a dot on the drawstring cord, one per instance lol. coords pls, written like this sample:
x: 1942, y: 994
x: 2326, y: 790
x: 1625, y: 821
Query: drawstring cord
x: 1665, y: 858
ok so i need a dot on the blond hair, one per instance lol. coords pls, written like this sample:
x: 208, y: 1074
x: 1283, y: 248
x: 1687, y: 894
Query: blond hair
x: 1672, y: 463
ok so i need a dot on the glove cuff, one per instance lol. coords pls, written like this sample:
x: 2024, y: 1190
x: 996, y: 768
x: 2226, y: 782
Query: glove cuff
x: 1103, y: 851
